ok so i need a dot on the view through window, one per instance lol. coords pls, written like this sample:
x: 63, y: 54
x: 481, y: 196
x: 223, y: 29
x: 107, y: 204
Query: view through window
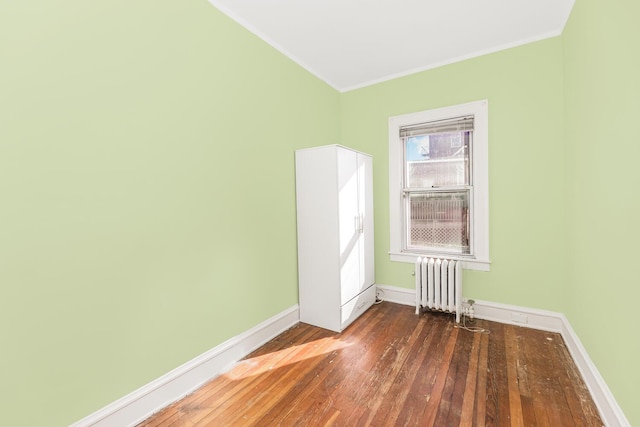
x: 437, y: 185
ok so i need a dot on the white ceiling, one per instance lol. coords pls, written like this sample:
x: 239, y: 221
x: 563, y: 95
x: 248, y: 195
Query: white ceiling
x: 355, y: 43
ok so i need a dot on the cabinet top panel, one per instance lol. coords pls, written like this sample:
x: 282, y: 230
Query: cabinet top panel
x: 333, y: 146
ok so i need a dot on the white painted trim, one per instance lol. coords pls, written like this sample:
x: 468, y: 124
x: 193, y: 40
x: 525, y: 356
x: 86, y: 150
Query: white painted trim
x: 467, y: 263
x: 402, y: 296
x: 519, y: 316
x: 609, y: 410
x: 479, y: 258
x: 150, y: 398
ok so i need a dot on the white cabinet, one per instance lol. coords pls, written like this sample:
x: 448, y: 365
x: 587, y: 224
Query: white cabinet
x: 334, y: 195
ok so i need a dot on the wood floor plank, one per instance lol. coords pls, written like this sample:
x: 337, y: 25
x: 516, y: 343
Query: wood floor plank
x: 556, y: 411
x: 497, y: 407
x: 532, y: 353
x: 515, y: 404
x: 582, y: 407
x: 323, y: 385
x: 469, y: 396
x: 529, y: 417
x: 251, y: 403
x: 393, y: 367
x: 431, y: 411
x: 414, y: 368
x: 420, y: 398
x: 203, y: 402
x: 481, y: 385
x: 389, y: 346
x: 384, y: 383
x: 451, y: 400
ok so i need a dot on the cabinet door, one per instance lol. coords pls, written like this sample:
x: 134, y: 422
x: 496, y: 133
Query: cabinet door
x: 349, y: 224
x: 365, y: 208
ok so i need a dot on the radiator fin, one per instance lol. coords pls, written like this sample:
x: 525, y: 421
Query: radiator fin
x: 439, y: 285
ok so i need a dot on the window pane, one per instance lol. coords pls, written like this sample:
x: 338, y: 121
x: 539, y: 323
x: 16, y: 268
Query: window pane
x: 439, y: 220
x: 437, y: 159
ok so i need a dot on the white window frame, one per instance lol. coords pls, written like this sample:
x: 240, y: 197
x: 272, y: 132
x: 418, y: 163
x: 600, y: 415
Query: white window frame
x: 478, y: 259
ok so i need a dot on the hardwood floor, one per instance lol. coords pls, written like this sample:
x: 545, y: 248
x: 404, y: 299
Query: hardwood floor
x: 392, y: 367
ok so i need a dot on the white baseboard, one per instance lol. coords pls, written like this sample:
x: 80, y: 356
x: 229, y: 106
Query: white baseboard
x: 402, y: 296
x: 150, y: 398
x: 610, y: 412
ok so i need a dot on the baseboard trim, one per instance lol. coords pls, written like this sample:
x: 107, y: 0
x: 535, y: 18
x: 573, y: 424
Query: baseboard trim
x: 150, y: 398
x: 402, y: 296
x: 609, y: 410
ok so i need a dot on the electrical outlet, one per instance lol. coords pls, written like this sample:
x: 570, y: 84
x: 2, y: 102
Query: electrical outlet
x: 519, y: 318
x: 467, y: 308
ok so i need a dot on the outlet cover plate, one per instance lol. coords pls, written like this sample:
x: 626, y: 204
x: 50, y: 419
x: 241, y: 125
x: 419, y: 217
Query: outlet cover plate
x: 519, y: 318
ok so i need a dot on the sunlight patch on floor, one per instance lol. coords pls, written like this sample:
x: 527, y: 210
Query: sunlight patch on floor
x: 278, y: 359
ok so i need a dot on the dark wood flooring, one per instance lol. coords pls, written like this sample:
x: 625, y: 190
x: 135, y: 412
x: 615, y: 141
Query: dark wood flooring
x: 395, y: 368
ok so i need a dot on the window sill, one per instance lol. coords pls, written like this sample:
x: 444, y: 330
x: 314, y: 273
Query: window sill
x: 468, y: 263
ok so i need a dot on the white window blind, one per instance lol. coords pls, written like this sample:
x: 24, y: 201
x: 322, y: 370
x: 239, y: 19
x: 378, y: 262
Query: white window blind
x: 459, y: 124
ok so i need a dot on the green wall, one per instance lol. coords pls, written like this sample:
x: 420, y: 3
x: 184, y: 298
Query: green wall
x: 147, y: 190
x: 563, y: 151
x: 526, y: 158
x: 146, y: 158
x: 602, y: 70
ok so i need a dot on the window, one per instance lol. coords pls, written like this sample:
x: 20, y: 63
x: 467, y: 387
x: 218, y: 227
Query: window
x: 438, y: 180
